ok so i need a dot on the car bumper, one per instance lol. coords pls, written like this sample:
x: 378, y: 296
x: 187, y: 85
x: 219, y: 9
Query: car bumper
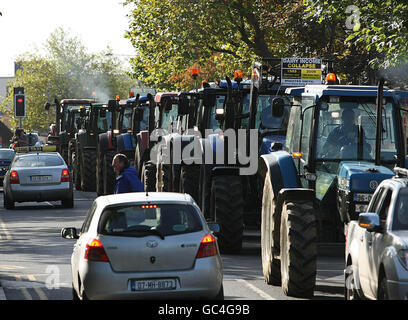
x: 203, y: 281
x: 24, y: 193
x: 397, y: 290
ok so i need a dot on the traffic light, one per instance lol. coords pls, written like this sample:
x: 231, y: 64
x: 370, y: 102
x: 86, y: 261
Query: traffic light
x: 19, y: 105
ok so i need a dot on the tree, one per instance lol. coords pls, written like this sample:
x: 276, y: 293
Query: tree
x: 171, y: 36
x: 64, y: 70
x: 378, y: 28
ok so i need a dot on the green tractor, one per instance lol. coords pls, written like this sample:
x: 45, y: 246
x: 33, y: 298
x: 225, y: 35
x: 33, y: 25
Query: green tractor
x: 342, y: 141
x: 82, y: 149
x: 67, y: 118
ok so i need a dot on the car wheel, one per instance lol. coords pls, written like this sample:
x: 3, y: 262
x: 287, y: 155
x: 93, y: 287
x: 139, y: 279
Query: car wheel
x: 68, y: 203
x: 74, y: 294
x: 383, y: 289
x: 350, y: 292
x: 8, y: 204
x: 220, y: 294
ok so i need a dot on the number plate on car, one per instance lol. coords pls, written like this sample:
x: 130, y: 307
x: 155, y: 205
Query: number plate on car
x: 152, y: 285
x: 39, y: 179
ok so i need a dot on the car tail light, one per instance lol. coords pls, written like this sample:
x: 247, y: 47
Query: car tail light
x: 208, y: 247
x: 65, y: 175
x: 95, y: 252
x: 14, y: 179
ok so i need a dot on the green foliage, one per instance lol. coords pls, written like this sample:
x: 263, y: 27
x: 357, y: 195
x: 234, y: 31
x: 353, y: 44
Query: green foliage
x: 64, y: 70
x: 218, y: 36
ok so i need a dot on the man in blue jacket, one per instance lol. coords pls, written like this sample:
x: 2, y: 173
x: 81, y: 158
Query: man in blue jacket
x: 127, y: 179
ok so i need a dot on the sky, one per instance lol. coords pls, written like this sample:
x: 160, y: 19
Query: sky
x: 26, y: 24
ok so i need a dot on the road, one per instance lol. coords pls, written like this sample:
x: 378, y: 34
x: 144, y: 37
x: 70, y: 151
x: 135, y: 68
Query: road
x: 35, y: 260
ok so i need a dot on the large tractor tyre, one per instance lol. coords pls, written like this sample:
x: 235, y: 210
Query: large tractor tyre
x: 166, y: 178
x: 64, y: 153
x: 108, y: 173
x: 176, y: 172
x: 99, y: 172
x: 298, y: 242
x: 204, y: 190
x: 8, y: 204
x: 77, y: 170
x: 270, y: 236
x: 227, y: 205
x: 148, y: 176
x: 189, y: 178
x: 88, y: 171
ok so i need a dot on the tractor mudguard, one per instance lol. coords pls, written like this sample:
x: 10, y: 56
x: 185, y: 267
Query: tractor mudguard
x: 281, y: 168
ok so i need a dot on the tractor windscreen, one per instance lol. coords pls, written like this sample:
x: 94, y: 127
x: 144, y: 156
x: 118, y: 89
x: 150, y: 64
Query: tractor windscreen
x: 127, y: 119
x: 265, y: 121
x: 213, y: 123
x: 346, y: 130
x: 104, y: 123
x: 168, y: 117
x: 144, y: 124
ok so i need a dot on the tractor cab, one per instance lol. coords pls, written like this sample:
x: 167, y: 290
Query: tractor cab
x: 338, y: 150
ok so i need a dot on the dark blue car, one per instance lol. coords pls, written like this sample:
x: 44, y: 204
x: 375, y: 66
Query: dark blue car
x: 6, y: 156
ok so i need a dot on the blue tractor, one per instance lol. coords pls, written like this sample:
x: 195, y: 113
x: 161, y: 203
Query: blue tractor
x: 341, y: 142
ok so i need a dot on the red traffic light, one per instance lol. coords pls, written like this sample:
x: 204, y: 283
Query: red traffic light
x: 20, y: 100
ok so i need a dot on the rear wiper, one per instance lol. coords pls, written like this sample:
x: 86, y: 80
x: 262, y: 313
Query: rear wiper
x: 147, y: 231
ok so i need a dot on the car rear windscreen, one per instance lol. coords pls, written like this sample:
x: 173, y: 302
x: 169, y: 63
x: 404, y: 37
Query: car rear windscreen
x: 140, y: 220
x: 7, y: 154
x: 35, y: 161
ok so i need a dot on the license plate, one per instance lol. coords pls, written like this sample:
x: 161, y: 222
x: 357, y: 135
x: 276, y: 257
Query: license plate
x: 39, y: 179
x: 152, y: 285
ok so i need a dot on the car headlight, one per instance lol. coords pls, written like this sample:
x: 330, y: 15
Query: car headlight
x: 403, y: 257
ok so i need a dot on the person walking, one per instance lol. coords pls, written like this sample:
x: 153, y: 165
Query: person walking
x: 127, y: 179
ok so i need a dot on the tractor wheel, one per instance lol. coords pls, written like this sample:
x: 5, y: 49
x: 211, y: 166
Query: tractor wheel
x: 166, y: 177
x: 298, y: 242
x: 64, y: 153
x: 176, y: 171
x: 77, y: 170
x: 227, y: 205
x: 189, y: 178
x: 148, y: 176
x: 204, y: 191
x: 99, y: 173
x: 270, y: 230
x: 108, y: 173
x: 89, y: 170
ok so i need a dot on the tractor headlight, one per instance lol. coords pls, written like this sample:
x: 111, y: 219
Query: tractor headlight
x: 403, y: 257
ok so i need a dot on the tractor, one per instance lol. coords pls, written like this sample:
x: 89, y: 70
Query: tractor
x: 82, y: 149
x: 66, y: 116
x: 341, y: 142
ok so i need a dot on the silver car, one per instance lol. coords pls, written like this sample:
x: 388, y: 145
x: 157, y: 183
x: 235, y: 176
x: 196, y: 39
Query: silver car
x: 377, y: 244
x: 138, y: 246
x: 38, y: 176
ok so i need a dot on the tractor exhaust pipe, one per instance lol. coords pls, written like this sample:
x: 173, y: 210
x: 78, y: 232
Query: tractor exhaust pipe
x: 379, y: 128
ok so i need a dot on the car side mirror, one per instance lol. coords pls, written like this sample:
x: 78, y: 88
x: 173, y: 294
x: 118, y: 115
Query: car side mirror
x: 278, y: 107
x: 369, y: 221
x: 69, y: 233
x: 214, y: 227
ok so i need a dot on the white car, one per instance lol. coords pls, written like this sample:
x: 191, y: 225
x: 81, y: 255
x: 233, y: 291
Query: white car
x: 138, y: 246
x: 377, y: 244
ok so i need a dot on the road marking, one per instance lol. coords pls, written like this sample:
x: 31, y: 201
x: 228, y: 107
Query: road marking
x: 257, y: 290
x: 3, y: 226
x: 26, y: 294
x: 39, y: 291
x: 8, y: 267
